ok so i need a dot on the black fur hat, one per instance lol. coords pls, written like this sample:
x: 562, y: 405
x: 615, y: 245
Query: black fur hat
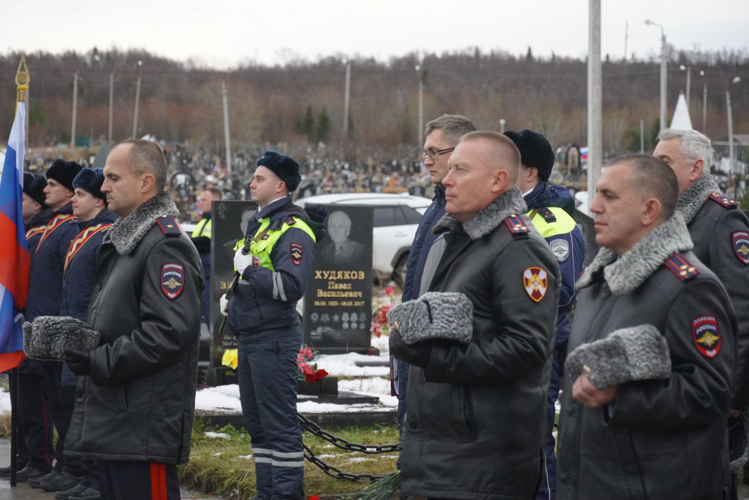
x: 285, y: 167
x: 64, y: 172
x: 91, y: 179
x: 33, y: 186
x: 535, y: 151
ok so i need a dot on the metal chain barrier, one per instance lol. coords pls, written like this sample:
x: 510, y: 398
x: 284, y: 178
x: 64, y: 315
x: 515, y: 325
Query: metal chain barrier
x: 332, y: 471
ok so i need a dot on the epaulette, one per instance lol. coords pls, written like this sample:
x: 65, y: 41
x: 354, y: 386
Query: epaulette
x: 517, y: 227
x: 169, y: 226
x: 681, y: 267
x: 548, y: 215
x: 722, y: 200
x: 290, y: 221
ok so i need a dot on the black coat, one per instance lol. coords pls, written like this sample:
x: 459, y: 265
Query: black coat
x: 721, y: 239
x: 138, y: 401
x: 475, y: 421
x: 659, y: 439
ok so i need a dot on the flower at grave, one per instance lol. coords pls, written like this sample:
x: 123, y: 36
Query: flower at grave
x: 314, y: 497
x: 389, y: 290
x: 380, y: 320
x: 230, y: 358
x: 307, y: 368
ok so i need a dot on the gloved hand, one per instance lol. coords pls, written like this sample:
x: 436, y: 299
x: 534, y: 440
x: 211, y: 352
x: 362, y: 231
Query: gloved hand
x: 417, y: 354
x: 224, y: 305
x: 242, y: 261
x: 78, y: 361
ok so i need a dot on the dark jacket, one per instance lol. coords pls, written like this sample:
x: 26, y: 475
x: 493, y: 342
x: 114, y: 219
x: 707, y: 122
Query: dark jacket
x: 475, y: 421
x: 263, y: 308
x: 46, y: 273
x: 35, y: 229
x: 720, y: 232
x: 568, y: 246
x: 422, y: 243
x: 81, y: 262
x: 138, y: 400
x: 659, y: 439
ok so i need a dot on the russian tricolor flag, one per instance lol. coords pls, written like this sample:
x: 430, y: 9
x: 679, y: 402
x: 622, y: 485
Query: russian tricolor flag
x: 14, y: 253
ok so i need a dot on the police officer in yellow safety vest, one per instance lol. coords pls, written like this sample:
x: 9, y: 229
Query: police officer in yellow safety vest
x: 273, y: 276
x: 551, y: 209
x: 201, y: 238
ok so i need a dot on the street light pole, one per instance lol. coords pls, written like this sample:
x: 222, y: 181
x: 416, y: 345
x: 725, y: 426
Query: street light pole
x: 502, y: 122
x: 595, y: 97
x: 111, y: 105
x: 421, y: 105
x: 75, y: 110
x: 137, y: 103
x: 664, y: 75
x: 346, y: 101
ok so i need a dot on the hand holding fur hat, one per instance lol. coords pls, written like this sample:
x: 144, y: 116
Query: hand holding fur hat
x: 48, y: 337
x: 434, y: 315
x: 626, y: 355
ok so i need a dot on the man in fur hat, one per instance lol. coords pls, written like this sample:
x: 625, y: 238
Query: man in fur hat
x: 45, y: 299
x: 475, y: 419
x: 274, y: 268
x: 720, y: 232
x: 134, y: 408
x: 649, y: 377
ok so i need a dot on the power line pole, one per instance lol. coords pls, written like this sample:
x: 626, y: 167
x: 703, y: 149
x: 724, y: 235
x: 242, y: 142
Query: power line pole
x: 730, y: 132
x: 75, y: 109
x: 642, y: 136
x: 227, y: 136
x: 346, y: 101
x: 626, y: 36
x: 704, y: 109
x: 689, y: 84
x: 111, y: 105
x: 421, y: 105
x: 595, y: 149
x: 137, y: 103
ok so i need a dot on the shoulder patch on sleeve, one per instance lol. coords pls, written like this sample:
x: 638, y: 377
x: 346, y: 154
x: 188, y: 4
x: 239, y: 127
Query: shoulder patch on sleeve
x: 681, y: 267
x: 169, y: 226
x: 536, y: 283
x: 172, y: 280
x: 296, y: 251
x: 517, y: 227
x: 560, y: 248
x: 740, y: 240
x: 706, y: 335
x: 723, y: 200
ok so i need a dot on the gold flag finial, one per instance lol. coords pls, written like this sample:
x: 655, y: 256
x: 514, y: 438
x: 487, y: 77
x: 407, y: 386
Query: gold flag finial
x: 22, y: 80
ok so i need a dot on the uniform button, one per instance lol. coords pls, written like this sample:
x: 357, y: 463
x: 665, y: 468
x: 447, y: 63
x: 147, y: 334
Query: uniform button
x: 98, y: 287
x: 78, y: 393
x: 412, y: 424
x: 566, y: 478
x: 571, y: 410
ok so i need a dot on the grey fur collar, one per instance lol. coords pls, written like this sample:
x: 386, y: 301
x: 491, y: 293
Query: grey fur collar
x: 693, y: 197
x: 127, y: 232
x: 642, y: 260
x: 489, y: 218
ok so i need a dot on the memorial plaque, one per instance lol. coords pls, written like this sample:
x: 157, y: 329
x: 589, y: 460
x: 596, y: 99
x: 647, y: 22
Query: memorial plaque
x: 338, y: 299
x: 229, y: 223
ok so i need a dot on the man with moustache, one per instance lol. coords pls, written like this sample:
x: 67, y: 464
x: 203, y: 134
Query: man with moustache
x: 649, y: 376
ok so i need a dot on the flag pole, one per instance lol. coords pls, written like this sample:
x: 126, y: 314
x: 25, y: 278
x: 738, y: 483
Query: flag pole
x: 22, y: 87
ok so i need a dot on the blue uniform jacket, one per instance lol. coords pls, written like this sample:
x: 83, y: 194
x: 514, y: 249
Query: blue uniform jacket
x: 45, y: 288
x: 78, y: 281
x: 570, y: 265
x: 423, y: 240
x: 35, y: 228
x: 263, y: 308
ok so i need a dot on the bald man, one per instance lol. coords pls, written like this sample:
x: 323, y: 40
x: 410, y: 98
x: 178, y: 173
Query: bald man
x: 475, y: 418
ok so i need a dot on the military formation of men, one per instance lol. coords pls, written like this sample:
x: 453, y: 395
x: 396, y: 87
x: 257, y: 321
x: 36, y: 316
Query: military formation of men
x: 652, y: 366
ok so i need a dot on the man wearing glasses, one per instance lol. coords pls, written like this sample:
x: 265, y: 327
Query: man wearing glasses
x: 442, y: 135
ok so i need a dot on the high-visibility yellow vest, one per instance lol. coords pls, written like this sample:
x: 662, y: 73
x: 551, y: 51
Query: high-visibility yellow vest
x: 262, y: 244
x: 203, y: 228
x: 560, y: 223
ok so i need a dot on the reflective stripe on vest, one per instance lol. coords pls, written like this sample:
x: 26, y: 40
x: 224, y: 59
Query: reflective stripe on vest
x: 563, y: 225
x: 203, y: 226
x: 263, y: 247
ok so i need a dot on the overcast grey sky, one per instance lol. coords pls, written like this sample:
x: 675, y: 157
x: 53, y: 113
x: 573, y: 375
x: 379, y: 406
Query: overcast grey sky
x: 223, y: 33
